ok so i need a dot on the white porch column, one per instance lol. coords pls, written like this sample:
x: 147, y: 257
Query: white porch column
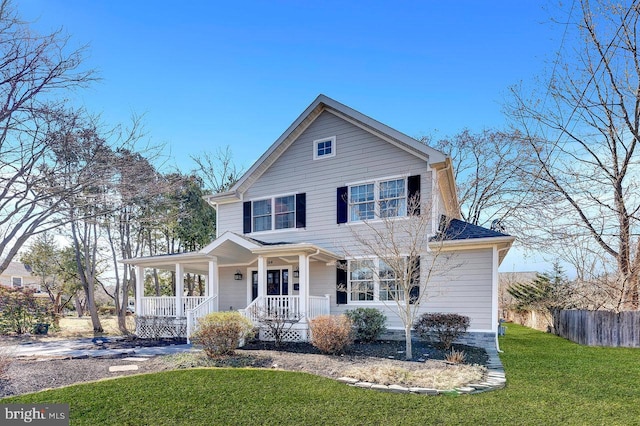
x: 139, y: 289
x: 179, y: 289
x: 213, y: 286
x: 303, y: 282
x: 262, y: 276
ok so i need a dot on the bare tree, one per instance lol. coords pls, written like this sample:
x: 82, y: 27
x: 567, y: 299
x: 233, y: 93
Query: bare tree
x: 33, y: 70
x: 135, y: 182
x: 218, y: 171
x: 399, y: 251
x: 584, y: 131
x: 485, y: 166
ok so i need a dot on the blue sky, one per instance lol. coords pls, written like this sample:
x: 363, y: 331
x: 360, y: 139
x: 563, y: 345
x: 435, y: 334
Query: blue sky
x: 209, y: 74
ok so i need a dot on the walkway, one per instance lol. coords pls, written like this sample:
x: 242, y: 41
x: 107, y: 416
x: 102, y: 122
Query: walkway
x: 88, y: 348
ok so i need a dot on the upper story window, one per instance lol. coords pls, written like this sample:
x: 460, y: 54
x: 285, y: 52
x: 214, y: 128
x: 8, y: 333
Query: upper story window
x: 386, y: 198
x: 275, y: 213
x: 324, y: 148
x: 397, y: 197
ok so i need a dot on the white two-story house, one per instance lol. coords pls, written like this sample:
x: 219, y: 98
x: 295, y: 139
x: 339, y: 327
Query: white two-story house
x: 289, y: 231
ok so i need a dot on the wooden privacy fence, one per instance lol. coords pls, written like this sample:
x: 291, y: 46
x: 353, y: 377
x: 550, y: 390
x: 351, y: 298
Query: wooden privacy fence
x: 599, y: 328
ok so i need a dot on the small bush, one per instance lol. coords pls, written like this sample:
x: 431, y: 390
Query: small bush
x: 444, y: 327
x: 331, y: 334
x: 20, y: 311
x: 107, y: 310
x: 369, y: 323
x: 456, y: 357
x: 220, y: 332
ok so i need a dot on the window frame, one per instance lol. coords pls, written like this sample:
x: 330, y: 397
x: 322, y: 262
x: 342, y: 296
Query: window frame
x: 273, y: 213
x: 377, y: 283
x: 377, y: 199
x: 13, y: 285
x: 316, y: 144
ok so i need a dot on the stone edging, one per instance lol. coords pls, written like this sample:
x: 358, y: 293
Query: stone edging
x: 494, y: 379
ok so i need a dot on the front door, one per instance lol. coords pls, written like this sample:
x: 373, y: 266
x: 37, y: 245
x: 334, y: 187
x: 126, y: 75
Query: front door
x: 277, y: 283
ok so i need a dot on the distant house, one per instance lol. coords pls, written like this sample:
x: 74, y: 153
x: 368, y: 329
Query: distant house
x: 18, y: 275
x: 284, y: 226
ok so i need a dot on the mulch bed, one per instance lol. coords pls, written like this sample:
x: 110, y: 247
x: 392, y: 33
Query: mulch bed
x: 31, y: 375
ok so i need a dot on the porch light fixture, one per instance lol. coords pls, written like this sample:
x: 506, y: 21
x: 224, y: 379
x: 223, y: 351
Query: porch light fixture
x: 238, y: 275
x: 296, y: 273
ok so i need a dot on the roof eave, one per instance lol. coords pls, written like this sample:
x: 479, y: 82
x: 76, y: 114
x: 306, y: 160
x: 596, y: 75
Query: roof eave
x: 472, y: 242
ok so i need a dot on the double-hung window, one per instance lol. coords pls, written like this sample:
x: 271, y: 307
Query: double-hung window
x: 361, y: 274
x: 392, y: 197
x: 374, y: 280
x: 262, y: 215
x: 362, y: 202
x: 389, y: 288
x: 285, y: 212
x: 384, y: 199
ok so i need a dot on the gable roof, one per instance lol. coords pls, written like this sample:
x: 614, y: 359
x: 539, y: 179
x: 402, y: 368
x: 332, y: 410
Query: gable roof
x: 321, y: 104
x: 17, y: 269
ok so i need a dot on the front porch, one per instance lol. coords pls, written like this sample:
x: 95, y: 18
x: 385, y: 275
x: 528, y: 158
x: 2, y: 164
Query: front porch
x: 265, y: 282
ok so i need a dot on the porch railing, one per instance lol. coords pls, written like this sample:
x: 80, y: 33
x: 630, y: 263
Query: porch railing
x: 207, y: 306
x: 284, y: 308
x: 318, y: 305
x: 165, y: 306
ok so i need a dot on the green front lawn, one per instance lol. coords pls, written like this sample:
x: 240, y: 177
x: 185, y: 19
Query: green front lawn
x: 549, y: 381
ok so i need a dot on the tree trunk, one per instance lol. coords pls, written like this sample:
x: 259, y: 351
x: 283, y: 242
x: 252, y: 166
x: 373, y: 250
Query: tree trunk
x: 408, y: 347
x: 87, y: 280
x: 156, y: 281
x: 78, y: 305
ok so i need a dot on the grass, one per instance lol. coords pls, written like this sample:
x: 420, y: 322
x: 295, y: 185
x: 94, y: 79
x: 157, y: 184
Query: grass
x: 72, y: 327
x: 550, y: 381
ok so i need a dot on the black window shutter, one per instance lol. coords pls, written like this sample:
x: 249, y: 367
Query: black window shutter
x: 341, y: 282
x: 414, y: 292
x: 301, y: 210
x: 413, y: 192
x: 343, y: 205
x: 246, y: 217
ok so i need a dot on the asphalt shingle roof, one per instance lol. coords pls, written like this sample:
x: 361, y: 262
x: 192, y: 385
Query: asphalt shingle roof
x: 459, y: 230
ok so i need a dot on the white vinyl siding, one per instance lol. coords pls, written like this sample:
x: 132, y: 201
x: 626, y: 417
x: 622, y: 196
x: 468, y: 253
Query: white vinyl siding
x: 465, y: 288
x: 363, y: 158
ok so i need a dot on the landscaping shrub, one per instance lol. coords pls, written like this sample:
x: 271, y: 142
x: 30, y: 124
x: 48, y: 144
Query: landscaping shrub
x: 331, y: 334
x: 456, y: 357
x: 369, y: 323
x: 20, y: 311
x: 220, y: 332
x: 106, y: 310
x: 444, y: 327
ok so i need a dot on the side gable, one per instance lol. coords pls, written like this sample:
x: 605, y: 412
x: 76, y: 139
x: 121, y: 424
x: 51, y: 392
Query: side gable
x: 318, y: 106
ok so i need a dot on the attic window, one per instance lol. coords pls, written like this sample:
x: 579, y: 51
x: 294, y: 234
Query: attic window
x: 324, y: 148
